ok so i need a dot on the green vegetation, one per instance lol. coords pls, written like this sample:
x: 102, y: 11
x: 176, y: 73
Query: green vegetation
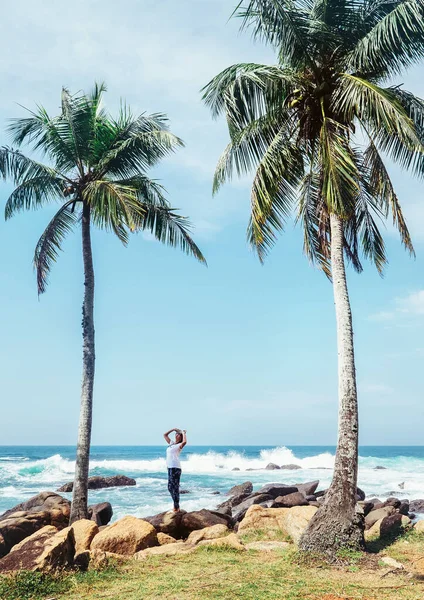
x: 295, y: 125
x: 219, y: 574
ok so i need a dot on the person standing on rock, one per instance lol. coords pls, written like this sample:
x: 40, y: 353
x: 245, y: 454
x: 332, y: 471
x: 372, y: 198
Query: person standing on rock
x: 173, y: 463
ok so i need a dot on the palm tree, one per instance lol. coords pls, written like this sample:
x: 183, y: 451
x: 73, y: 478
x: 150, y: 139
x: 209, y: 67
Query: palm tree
x: 97, y: 173
x: 294, y: 125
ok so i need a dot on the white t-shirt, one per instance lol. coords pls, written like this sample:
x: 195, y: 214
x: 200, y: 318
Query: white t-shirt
x: 173, y: 456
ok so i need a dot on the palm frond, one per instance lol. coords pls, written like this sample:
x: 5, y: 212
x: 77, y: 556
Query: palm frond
x: 395, y: 40
x: 48, y: 246
x: 35, y: 183
x: 381, y: 188
x: 170, y: 228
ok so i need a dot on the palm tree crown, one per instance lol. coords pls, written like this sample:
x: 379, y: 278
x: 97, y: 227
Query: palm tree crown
x: 98, y: 162
x: 295, y: 122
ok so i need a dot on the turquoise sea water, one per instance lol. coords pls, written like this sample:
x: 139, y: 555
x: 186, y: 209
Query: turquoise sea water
x: 27, y: 470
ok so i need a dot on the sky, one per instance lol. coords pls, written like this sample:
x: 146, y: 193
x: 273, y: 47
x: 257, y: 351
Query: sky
x: 236, y: 353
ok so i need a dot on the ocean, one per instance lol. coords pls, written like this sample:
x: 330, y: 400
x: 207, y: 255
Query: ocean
x: 28, y: 470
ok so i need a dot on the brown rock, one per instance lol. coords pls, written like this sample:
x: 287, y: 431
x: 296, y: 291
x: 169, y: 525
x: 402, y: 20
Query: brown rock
x: 391, y: 525
x: 230, y: 541
x: 167, y: 550
x: 84, y: 532
x: 164, y: 538
x: 295, y: 499
x: 277, y: 489
x: 167, y: 522
x: 45, y: 550
x: 99, y: 559
x: 19, y: 526
x: 267, y: 546
x: 419, y: 526
x: 127, y: 536
x: 416, y: 506
x: 242, y: 488
x: 209, y: 533
x: 269, y: 520
x: 44, y: 502
x: 199, y: 520
x: 101, y: 513
x: 296, y: 521
x: 241, y: 508
x: 97, y: 483
x: 308, y: 488
x: 376, y: 515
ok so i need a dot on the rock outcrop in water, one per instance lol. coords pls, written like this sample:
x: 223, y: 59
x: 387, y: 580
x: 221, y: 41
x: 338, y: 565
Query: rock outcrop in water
x: 98, y: 483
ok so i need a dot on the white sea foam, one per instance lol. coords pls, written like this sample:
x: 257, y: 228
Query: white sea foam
x: 402, y: 475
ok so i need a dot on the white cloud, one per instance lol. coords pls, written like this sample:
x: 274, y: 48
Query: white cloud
x: 377, y: 388
x: 411, y: 305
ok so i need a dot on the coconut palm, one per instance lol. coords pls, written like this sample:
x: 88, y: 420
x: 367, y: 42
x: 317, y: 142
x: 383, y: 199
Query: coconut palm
x: 97, y: 172
x: 315, y: 129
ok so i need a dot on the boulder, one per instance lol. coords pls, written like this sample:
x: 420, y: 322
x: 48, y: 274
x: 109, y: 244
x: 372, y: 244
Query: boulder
x: 272, y: 467
x: 243, y: 506
x: 84, y: 532
x: 225, y: 509
x: 164, y: 538
x: 296, y: 521
x: 97, y: 483
x: 97, y: 559
x: 200, y: 519
x: 209, y: 533
x: 295, y: 499
x: 166, y: 550
x: 404, y: 507
x: 167, y: 522
x: 360, y: 495
x: 242, y: 488
x: 20, y: 525
x: 289, y: 521
x: 389, y: 502
x: 391, y: 525
x: 101, y: 513
x: 44, y: 502
x: 227, y: 517
x: 267, y: 546
x: 127, y: 536
x: 376, y: 515
x: 416, y: 506
x: 235, y: 500
x: 367, y: 507
x: 229, y: 541
x: 419, y: 526
x: 45, y: 550
x: 392, y: 563
x: 277, y: 489
x: 290, y: 467
x: 235, y: 469
x: 268, y: 520
x: 307, y: 488
x: 373, y: 533
x: 379, y: 468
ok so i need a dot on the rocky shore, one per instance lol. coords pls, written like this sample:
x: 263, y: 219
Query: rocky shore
x: 34, y: 535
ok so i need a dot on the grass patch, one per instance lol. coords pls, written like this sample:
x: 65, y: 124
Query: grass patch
x: 260, y: 535
x: 26, y: 585
x: 214, y: 573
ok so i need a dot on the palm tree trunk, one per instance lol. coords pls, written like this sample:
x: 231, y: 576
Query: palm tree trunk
x: 80, y: 492
x: 337, y: 524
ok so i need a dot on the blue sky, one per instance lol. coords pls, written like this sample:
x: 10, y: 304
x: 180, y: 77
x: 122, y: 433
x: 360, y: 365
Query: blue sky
x: 236, y: 353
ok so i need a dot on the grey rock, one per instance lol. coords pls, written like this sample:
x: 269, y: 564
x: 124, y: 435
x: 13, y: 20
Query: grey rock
x: 416, y: 506
x: 277, y: 489
x: 242, y: 488
x: 290, y: 467
x: 272, y: 467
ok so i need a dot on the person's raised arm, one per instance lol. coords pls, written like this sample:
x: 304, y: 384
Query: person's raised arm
x: 184, y: 442
x: 166, y: 435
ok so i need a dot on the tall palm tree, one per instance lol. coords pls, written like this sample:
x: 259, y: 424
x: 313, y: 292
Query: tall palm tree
x: 97, y: 172
x: 294, y: 125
